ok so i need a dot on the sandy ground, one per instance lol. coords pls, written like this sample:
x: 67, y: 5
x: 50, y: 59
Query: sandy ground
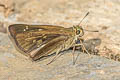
x: 104, y: 16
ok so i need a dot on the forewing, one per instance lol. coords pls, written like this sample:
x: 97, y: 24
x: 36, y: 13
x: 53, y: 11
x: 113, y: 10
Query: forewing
x: 19, y: 28
x: 29, y: 37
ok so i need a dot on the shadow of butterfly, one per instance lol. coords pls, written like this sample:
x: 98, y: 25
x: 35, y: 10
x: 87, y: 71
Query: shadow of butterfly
x: 90, y: 45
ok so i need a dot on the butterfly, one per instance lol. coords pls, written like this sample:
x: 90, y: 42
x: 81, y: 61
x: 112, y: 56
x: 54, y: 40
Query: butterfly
x: 38, y: 41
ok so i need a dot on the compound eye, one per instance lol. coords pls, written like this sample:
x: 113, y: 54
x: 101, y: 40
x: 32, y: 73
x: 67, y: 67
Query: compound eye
x: 78, y: 32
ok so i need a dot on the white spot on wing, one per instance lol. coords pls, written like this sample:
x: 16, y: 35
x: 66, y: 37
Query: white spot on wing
x: 26, y: 27
x: 24, y: 30
x: 39, y: 29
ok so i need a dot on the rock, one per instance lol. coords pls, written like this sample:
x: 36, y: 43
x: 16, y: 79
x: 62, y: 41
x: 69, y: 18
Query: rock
x: 15, y: 66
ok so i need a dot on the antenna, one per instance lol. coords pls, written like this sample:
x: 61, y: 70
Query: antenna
x: 91, y: 30
x: 83, y: 18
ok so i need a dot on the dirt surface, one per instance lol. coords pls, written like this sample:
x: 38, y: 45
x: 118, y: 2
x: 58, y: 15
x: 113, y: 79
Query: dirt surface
x: 104, y: 16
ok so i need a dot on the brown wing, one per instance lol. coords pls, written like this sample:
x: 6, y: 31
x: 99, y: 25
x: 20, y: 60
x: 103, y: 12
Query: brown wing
x: 54, y: 45
x: 30, y: 37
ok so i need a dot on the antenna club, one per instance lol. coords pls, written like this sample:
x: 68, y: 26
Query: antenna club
x: 83, y: 18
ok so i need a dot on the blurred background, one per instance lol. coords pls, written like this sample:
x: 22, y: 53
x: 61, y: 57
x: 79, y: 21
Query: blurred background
x: 60, y: 12
x: 104, y: 16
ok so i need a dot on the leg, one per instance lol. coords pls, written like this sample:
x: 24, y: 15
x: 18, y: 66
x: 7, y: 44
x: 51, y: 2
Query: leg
x: 55, y: 57
x: 83, y: 47
x: 73, y: 55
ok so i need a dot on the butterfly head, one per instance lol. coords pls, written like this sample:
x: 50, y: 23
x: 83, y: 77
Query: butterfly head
x: 78, y: 30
